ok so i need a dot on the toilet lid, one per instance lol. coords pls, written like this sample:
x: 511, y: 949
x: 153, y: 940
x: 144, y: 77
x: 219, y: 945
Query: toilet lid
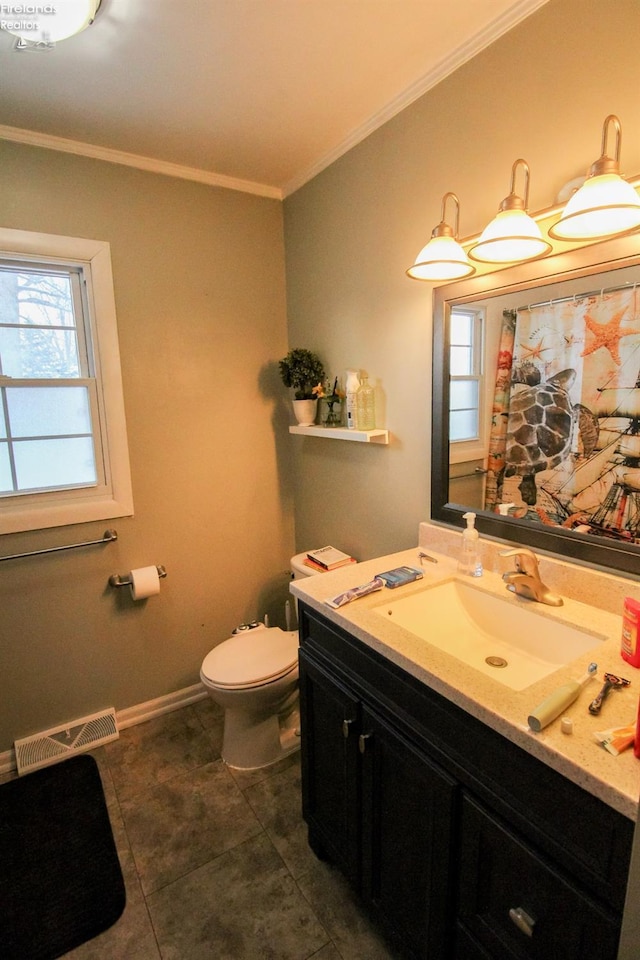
x: 248, y: 659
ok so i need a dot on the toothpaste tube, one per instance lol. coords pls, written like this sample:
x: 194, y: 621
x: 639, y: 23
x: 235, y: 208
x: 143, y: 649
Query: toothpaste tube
x: 355, y: 593
x: 617, y: 739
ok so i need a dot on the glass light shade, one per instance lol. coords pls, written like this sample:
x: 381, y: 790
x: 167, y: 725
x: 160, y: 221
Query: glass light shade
x: 511, y: 236
x: 64, y: 20
x: 442, y: 259
x: 604, y: 206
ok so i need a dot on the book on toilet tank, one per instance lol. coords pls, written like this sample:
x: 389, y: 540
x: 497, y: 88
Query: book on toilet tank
x: 329, y: 558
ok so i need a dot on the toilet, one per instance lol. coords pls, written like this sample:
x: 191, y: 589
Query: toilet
x: 254, y: 676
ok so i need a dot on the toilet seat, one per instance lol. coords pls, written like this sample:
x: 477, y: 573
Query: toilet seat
x: 251, y: 659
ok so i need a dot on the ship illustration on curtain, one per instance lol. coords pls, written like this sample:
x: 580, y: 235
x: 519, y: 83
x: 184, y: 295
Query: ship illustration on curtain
x: 565, y: 445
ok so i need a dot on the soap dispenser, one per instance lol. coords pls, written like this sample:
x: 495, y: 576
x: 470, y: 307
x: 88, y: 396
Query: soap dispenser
x: 470, y: 562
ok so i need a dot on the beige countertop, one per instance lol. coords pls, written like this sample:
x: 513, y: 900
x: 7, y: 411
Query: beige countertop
x: 615, y: 780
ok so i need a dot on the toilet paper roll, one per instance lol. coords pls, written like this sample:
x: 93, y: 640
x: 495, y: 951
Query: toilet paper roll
x: 145, y: 582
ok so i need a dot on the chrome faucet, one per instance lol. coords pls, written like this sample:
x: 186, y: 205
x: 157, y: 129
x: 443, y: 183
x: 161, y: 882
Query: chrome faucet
x: 525, y: 579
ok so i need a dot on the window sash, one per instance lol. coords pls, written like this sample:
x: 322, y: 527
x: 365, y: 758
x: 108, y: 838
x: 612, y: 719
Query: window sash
x: 9, y: 440
x: 15, y: 448
x: 80, y: 327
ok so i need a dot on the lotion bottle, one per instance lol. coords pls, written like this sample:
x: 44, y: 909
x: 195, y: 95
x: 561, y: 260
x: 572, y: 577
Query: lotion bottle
x: 351, y: 388
x: 470, y: 562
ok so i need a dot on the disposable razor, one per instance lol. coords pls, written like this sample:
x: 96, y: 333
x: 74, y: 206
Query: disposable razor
x: 610, y: 681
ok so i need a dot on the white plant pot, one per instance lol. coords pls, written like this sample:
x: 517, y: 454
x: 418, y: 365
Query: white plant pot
x: 305, y: 411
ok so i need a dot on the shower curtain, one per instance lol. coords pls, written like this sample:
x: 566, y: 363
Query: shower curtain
x: 500, y: 413
x: 566, y: 419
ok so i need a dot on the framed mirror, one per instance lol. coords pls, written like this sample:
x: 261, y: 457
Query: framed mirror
x: 536, y: 404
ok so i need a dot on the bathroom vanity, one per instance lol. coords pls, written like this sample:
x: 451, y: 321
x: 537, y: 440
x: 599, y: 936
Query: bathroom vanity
x: 467, y: 835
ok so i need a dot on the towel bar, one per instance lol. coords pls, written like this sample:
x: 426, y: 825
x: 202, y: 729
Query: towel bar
x: 109, y: 535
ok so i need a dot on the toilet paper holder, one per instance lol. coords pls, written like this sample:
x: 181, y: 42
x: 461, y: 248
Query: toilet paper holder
x: 115, y: 580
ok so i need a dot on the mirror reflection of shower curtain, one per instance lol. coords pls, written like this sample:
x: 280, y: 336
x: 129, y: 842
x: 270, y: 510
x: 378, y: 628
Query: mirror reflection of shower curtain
x: 565, y: 446
x: 500, y: 413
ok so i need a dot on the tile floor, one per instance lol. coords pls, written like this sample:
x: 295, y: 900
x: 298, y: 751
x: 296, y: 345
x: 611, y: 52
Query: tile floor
x: 216, y: 862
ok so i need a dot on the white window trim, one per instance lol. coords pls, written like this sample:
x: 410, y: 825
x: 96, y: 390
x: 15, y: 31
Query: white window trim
x: 96, y: 254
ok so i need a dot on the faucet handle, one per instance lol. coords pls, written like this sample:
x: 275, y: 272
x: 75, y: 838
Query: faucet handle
x: 526, y: 560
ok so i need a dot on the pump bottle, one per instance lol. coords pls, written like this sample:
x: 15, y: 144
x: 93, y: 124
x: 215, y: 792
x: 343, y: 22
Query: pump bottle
x: 470, y: 562
x: 351, y: 388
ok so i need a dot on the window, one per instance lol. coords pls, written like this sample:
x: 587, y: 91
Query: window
x: 465, y: 346
x: 63, y: 448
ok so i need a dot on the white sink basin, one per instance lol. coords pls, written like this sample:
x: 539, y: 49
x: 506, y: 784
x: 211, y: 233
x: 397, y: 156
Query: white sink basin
x: 512, y: 643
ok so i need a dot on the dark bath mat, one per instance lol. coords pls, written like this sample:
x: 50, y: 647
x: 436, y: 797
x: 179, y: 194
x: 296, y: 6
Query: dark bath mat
x: 60, y: 878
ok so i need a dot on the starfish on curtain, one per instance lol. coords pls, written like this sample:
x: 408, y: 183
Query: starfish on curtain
x: 528, y: 353
x: 607, y: 335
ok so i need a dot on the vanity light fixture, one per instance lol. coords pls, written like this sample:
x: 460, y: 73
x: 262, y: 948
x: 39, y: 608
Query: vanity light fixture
x: 443, y: 257
x: 606, y: 204
x: 53, y: 22
x: 512, y: 236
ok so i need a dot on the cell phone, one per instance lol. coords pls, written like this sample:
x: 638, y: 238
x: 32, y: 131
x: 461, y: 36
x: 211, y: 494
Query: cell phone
x: 399, y: 576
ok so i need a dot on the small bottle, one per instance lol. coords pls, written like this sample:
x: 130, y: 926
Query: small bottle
x: 366, y: 406
x: 351, y: 388
x: 629, y: 646
x: 470, y: 562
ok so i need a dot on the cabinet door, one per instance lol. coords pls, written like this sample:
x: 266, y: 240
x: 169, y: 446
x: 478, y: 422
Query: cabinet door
x: 516, y: 905
x: 330, y: 717
x: 407, y: 815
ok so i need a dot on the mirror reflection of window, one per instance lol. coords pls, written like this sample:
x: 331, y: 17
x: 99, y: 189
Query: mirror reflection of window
x: 465, y: 375
x: 466, y: 391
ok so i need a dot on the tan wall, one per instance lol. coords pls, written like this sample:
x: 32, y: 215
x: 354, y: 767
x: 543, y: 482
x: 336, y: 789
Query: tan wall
x: 199, y: 288
x: 542, y: 93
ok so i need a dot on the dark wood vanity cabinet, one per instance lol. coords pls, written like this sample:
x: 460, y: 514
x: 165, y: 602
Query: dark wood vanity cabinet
x: 513, y: 903
x: 379, y: 809
x: 464, y: 846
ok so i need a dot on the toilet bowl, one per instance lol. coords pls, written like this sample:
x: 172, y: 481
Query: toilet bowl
x: 254, y: 676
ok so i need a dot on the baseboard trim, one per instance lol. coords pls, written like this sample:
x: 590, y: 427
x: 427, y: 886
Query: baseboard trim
x: 133, y: 715
x: 155, y: 708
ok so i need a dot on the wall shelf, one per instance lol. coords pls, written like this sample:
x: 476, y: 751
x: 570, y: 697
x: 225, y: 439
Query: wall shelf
x: 342, y: 433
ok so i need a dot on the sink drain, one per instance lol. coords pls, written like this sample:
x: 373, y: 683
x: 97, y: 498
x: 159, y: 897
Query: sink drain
x: 496, y: 661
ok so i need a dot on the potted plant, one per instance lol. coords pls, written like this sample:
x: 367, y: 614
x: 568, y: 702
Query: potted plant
x: 303, y: 371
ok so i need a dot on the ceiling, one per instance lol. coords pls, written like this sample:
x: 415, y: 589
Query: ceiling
x: 256, y: 95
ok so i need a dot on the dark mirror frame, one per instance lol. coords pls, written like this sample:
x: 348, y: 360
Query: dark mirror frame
x: 584, y: 262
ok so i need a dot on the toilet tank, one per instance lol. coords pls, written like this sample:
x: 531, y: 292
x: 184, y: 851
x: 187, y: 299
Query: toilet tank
x: 299, y: 569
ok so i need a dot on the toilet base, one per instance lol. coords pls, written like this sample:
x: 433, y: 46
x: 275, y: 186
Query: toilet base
x: 250, y: 744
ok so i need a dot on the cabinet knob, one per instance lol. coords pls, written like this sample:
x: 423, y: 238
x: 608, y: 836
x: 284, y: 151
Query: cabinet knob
x: 362, y: 741
x: 522, y: 920
x: 346, y: 724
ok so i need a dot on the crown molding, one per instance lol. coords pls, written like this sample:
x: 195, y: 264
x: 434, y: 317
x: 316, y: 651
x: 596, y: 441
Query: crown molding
x: 49, y: 142
x: 460, y: 55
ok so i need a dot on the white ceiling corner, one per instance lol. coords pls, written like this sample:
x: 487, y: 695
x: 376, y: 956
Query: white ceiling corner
x: 252, y: 95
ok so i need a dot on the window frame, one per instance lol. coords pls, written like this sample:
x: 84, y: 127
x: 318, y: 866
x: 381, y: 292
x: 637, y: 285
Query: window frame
x: 82, y: 504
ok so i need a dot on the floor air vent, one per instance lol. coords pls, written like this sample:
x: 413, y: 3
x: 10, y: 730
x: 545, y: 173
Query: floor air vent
x: 50, y: 746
